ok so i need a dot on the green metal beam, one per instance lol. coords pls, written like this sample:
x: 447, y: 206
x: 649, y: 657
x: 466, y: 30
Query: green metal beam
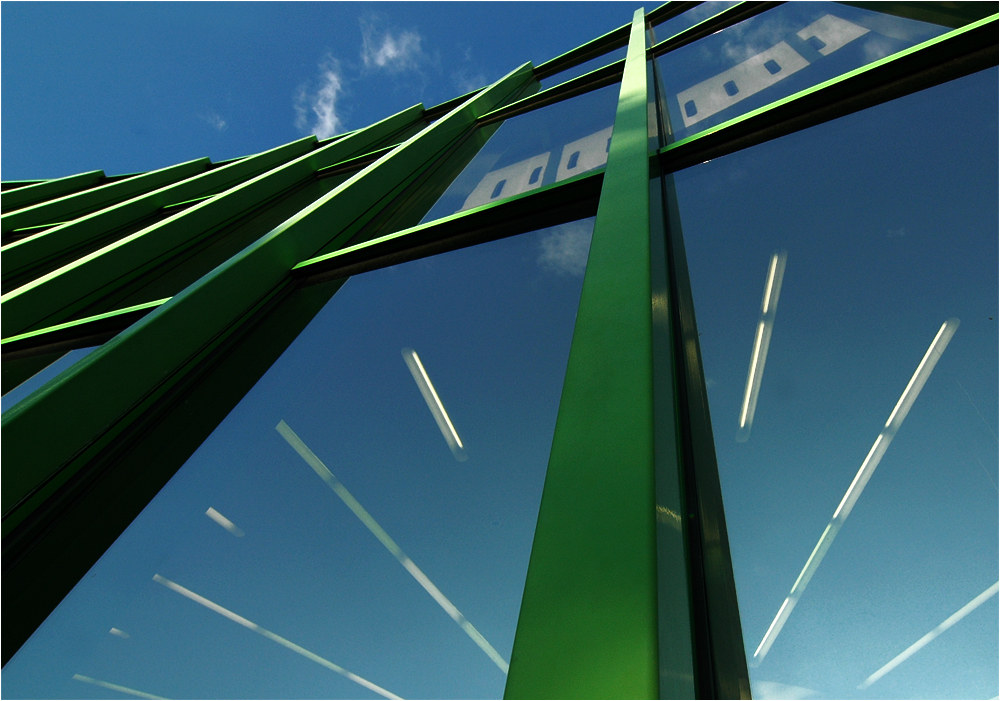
x: 113, y: 400
x: 35, y: 255
x: 587, y: 626
x: 76, y: 205
x: 40, y: 192
x: 57, y: 295
x: 549, y: 205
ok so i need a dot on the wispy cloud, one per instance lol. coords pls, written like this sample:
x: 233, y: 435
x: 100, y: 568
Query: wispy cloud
x: 393, y: 51
x: 316, y: 106
x: 466, y: 75
x: 214, y: 120
x: 564, y: 250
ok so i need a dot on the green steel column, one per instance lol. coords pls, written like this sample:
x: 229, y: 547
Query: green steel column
x: 588, y: 621
x: 40, y: 192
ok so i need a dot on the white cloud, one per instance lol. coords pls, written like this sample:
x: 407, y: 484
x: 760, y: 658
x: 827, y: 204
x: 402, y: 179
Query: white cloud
x: 394, y: 52
x: 214, y: 120
x: 316, y: 110
x: 564, y: 250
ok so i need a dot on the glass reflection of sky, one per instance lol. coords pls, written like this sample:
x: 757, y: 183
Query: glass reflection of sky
x: 256, y: 573
x: 534, y: 149
x: 888, y: 218
x: 776, y: 54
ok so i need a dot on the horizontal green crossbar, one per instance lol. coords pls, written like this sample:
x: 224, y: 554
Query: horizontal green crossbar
x: 573, y: 198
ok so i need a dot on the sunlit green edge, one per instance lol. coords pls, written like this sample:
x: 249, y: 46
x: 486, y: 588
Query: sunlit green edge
x: 32, y: 251
x: 409, y: 232
x: 48, y: 189
x: 132, y: 371
x: 72, y: 205
x: 86, y: 320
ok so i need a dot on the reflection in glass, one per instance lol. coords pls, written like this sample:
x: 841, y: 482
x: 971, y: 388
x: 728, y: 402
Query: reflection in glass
x: 883, y: 261
x: 583, y: 68
x: 761, y: 342
x: 264, y: 632
x: 944, y: 625
x: 410, y: 582
x: 541, y: 147
x: 858, y: 484
x: 775, y: 54
x: 115, y: 687
x: 437, y: 409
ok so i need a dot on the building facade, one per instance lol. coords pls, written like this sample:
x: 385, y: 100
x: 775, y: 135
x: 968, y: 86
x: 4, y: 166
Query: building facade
x: 423, y: 410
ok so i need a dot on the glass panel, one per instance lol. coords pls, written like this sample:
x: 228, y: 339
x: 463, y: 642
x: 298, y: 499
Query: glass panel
x: 366, y: 510
x: 534, y: 149
x: 47, y: 373
x: 845, y: 281
x: 674, y: 25
x: 776, y: 54
x: 584, y: 68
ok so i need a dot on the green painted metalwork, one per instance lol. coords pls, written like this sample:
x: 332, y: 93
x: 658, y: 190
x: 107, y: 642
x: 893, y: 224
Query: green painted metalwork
x: 587, y: 627
x: 629, y: 591
x: 54, y: 297
x: 599, y: 78
x: 76, y: 205
x: 138, y: 374
x: 725, y: 18
x: 40, y: 254
x: 948, y: 14
x: 549, y: 205
x: 49, y: 189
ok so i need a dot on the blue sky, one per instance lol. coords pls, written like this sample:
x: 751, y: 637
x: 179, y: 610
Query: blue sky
x: 128, y: 87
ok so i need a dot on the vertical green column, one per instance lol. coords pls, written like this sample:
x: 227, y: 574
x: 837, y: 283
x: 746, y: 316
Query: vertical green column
x: 588, y: 621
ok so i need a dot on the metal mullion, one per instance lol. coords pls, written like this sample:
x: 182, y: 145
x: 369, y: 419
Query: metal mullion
x: 102, y: 407
x: 90, y: 200
x: 37, y: 193
x: 549, y: 205
x: 716, y: 23
x: 938, y: 60
x: 587, y: 626
x: 32, y: 253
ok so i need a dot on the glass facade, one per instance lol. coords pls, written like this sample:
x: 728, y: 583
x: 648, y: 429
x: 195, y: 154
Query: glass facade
x: 532, y: 404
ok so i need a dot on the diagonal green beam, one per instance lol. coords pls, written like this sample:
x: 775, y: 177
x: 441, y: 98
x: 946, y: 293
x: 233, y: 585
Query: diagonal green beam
x: 48, y: 189
x: 28, y: 254
x: 80, y: 203
x: 55, y: 296
x: 588, y: 621
x: 105, y: 408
